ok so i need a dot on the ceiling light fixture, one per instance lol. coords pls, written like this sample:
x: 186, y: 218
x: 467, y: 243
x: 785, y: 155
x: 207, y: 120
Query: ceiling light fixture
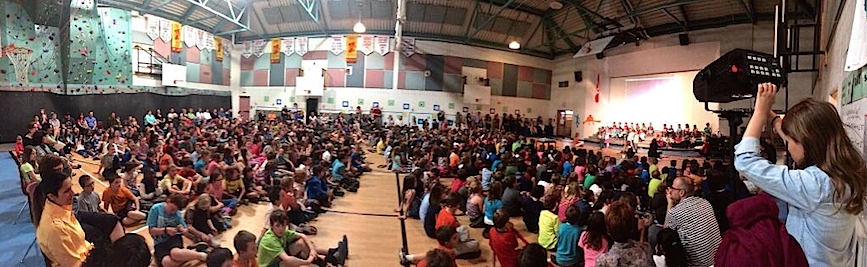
x: 555, y: 5
x: 359, y: 27
x: 515, y: 45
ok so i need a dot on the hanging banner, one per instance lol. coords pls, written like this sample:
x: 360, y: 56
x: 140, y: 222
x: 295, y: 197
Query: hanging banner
x: 189, y: 36
x: 288, y: 46
x: 337, y: 44
x: 248, y: 49
x: 301, y: 45
x: 177, y: 38
x: 227, y: 47
x: 856, y: 56
x: 209, y: 40
x: 366, y: 45
x: 219, y: 46
x: 275, y: 50
x: 153, y: 27
x: 407, y: 46
x: 201, y: 40
x: 351, y: 48
x: 165, y: 30
x: 259, y: 47
x: 382, y: 44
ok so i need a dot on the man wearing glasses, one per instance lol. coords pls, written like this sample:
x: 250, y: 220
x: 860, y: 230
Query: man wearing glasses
x: 693, y: 219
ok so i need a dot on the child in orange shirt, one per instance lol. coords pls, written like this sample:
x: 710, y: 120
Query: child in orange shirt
x: 121, y: 201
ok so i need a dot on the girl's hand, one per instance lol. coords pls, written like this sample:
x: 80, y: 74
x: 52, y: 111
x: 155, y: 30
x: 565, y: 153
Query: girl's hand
x: 765, y: 97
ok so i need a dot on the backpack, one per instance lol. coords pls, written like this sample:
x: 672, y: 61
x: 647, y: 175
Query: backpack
x: 757, y: 237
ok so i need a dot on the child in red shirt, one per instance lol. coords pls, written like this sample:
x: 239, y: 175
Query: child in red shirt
x: 466, y: 248
x: 447, y: 237
x: 504, y: 240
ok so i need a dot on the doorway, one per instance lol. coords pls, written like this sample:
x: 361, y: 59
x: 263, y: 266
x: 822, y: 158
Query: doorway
x: 565, y: 118
x: 244, y: 107
x: 312, y: 105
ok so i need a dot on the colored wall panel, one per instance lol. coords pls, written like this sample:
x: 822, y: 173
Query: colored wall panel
x: 374, y: 61
x: 178, y: 58
x: 357, y: 77
x: 206, y: 56
x: 526, y: 74
x: 263, y: 62
x: 540, y: 91
x: 389, y: 61
x: 496, y: 87
x: 495, y: 70
x: 435, y: 65
x: 510, y: 80
x: 525, y: 89
x: 335, y: 77
x: 292, y: 61
x: 414, y: 63
x: 206, y: 74
x: 193, y: 54
x: 260, y: 78
x: 162, y: 48
x: 216, y: 71
x: 336, y: 61
x: 291, y: 75
x: 388, y: 79
x: 247, y: 63
x: 277, y: 73
x: 470, y: 62
x: 226, y: 77
x: 415, y: 80
x: 453, y: 65
x: 401, y: 80
x: 316, y: 55
x: 453, y: 83
x: 543, y: 76
x: 375, y: 79
x: 193, y: 72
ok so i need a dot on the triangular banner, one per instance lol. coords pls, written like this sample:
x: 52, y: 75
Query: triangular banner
x: 288, y: 46
x: 248, y: 49
x: 259, y: 47
x: 201, y: 41
x: 189, y: 36
x: 407, y: 46
x: 382, y: 44
x: 337, y: 44
x: 153, y: 27
x: 165, y: 30
x: 366, y: 44
x: 301, y: 44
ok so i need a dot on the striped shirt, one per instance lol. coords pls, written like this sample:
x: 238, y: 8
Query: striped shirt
x: 694, y: 221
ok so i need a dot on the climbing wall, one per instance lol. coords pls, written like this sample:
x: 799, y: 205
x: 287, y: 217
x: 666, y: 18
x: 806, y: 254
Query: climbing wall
x: 18, y: 29
x: 99, y: 49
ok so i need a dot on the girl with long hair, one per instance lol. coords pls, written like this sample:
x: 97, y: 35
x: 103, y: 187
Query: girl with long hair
x: 594, y: 239
x: 827, y: 188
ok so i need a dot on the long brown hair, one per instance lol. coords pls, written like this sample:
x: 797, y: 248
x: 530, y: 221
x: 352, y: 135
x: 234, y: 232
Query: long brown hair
x: 817, y: 126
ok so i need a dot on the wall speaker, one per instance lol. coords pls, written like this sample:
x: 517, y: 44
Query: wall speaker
x: 600, y: 55
x: 684, y: 39
x: 579, y: 76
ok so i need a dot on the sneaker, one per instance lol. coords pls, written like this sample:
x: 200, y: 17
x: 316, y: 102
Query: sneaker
x: 344, y: 253
x: 200, y: 247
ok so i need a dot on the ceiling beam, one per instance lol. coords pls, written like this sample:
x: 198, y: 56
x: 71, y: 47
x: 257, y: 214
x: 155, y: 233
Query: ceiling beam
x: 533, y: 34
x: 577, y: 4
x: 259, y: 19
x: 685, y: 16
x: 159, y: 5
x: 143, y: 10
x: 489, y: 20
x: 747, y: 11
x: 189, y: 12
x: 652, y: 8
x: 550, y: 23
x: 675, y: 19
x: 521, y: 7
x: 472, y: 16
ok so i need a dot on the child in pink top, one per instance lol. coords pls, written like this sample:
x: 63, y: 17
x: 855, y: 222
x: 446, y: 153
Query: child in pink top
x: 594, y: 240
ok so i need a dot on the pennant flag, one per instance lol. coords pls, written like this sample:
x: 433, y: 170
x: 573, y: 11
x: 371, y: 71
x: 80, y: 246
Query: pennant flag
x: 351, y: 48
x: 366, y: 45
x: 301, y: 45
x: 153, y: 27
x: 190, y: 36
x: 275, y: 50
x: 248, y: 49
x: 209, y: 41
x: 288, y: 46
x: 201, y: 41
x: 165, y: 30
x: 407, y: 46
x: 337, y: 44
x: 219, y: 46
x: 177, y: 38
x: 382, y: 44
x: 259, y: 47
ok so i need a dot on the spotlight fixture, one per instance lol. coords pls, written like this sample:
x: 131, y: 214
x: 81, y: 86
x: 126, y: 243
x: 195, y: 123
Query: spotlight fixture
x: 515, y: 45
x: 555, y: 5
x: 359, y: 27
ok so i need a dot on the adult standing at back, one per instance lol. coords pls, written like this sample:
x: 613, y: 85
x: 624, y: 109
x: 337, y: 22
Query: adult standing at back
x: 693, y: 219
x: 826, y: 190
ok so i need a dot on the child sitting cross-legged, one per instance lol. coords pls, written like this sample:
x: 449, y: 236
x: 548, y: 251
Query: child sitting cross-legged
x: 466, y: 248
x: 504, y: 240
x: 280, y: 246
x: 120, y: 201
x: 201, y: 218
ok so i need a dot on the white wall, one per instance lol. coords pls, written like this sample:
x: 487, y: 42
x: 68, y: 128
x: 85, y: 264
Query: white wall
x: 664, y: 54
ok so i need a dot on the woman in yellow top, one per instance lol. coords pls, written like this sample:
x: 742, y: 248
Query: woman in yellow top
x: 29, y: 165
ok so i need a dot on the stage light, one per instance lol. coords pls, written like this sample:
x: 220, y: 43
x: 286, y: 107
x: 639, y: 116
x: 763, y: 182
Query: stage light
x: 515, y: 45
x: 359, y: 27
